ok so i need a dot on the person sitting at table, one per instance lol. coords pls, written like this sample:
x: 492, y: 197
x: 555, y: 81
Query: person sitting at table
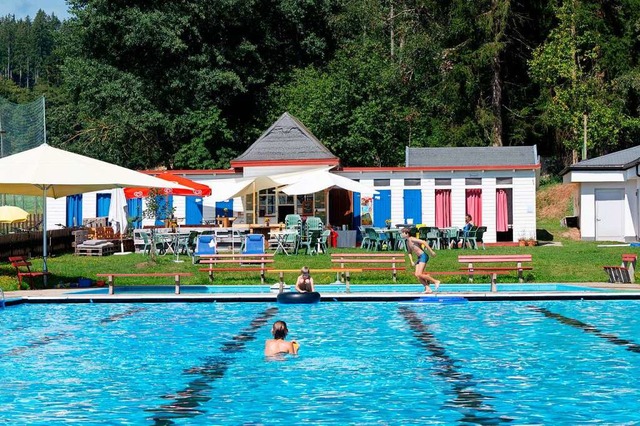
x: 464, y: 232
x: 304, y: 284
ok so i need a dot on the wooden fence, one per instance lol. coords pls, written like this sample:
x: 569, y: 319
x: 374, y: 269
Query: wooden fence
x: 33, y: 223
x: 30, y: 243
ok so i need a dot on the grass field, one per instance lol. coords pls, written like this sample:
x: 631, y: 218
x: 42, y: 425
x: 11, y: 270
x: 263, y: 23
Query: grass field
x: 573, y: 261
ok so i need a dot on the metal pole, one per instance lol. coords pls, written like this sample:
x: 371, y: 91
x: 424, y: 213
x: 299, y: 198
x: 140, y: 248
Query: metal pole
x: 44, y: 233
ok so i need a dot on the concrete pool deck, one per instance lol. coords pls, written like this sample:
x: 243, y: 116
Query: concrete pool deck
x: 606, y: 291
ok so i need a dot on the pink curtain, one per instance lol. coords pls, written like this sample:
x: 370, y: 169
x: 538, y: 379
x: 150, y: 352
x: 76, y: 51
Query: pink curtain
x: 443, y: 208
x: 474, y: 205
x: 502, y: 211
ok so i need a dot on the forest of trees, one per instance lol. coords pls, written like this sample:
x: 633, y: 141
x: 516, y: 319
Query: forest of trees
x: 191, y: 84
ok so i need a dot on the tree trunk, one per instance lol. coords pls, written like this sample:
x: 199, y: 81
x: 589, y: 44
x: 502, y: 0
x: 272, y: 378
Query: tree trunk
x: 496, y: 101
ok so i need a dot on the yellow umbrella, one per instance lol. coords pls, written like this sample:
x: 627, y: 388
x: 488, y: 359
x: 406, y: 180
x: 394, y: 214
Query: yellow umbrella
x: 12, y: 214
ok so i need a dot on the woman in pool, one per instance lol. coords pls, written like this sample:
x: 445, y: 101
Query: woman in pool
x: 418, y: 246
x: 278, y: 345
x: 304, y: 284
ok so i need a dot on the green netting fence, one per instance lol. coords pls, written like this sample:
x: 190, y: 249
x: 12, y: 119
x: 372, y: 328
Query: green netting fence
x: 22, y: 127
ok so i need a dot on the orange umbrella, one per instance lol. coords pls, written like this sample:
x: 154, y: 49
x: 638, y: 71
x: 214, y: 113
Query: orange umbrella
x: 197, y: 189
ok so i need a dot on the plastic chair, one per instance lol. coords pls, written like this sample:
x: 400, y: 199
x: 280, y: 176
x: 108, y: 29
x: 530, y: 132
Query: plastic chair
x: 378, y: 241
x: 205, y: 245
x: 253, y: 244
x: 314, y: 224
x: 291, y: 241
x: 475, y: 237
x: 146, y: 239
x: 293, y: 221
x: 433, y: 237
x: 470, y: 238
x: 323, y: 245
x: 366, y: 242
x: 311, y: 243
x: 449, y: 237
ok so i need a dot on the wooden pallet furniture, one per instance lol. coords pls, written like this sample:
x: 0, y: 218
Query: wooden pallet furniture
x: 95, y: 248
x: 242, y: 263
x: 371, y: 261
x: 23, y: 270
x: 176, y: 275
x: 625, y: 273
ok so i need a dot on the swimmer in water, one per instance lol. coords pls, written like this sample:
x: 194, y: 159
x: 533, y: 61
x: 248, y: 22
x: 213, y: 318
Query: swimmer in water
x: 278, y: 345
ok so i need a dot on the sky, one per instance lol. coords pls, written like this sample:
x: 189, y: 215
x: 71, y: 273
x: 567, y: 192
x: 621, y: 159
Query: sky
x: 22, y: 8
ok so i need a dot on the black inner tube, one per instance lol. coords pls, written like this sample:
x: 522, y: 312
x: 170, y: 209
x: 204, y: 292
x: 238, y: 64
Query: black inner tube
x: 295, y: 297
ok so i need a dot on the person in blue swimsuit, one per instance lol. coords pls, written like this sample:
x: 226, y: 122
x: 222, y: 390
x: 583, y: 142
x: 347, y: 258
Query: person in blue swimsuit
x: 417, y: 246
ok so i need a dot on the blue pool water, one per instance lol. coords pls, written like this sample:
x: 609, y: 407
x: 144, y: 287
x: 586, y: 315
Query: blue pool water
x: 400, y: 288
x: 359, y: 363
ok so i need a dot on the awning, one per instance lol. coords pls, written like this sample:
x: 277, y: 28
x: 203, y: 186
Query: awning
x: 194, y: 188
x: 322, y: 179
x: 226, y: 189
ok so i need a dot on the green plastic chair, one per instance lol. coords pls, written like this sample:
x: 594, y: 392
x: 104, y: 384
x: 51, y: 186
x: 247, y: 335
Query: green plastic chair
x: 475, y: 237
x: 470, y: 238
x: 311, y: 243
x: 324, y: 237
x: 377, y: 241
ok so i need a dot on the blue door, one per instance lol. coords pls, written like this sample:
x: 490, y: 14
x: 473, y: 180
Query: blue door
x: 381, y: 208
x: 193, y: 211
x: 356, y: 214
x: 134, y: 210
x: 165, y: 205
x: 102, y: 204
x: 413, y: 205
x: 74, y: 210
x: 221, y: 205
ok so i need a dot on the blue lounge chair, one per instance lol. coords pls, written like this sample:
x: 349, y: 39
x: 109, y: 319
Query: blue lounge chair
x: 253, y: 244
x: 205, y: 245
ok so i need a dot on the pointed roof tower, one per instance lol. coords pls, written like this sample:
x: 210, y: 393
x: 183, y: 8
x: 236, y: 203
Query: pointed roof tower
x: 286, y: 142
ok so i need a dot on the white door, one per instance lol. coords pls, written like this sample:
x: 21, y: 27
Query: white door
x: 609, y: 214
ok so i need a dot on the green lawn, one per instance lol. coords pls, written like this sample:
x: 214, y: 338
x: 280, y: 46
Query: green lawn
x: 575, y: 261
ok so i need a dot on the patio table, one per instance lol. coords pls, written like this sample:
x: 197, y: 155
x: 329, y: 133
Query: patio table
x: 281, y: 239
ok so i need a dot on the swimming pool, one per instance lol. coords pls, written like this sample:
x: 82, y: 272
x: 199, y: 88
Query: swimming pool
x: 393, y: 288
x: 359, y: 363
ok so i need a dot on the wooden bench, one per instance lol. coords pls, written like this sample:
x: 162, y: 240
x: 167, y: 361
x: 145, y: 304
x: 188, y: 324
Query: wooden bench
x: 23, y: 270
x: 625, y: 273
x: 392, y: 260
x: 345, y: 271
x: 492, y: 271
x: 245, y: 262
x: 176, y: 275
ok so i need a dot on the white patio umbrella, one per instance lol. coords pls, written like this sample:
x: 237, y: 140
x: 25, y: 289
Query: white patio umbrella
x: 51, y: 172
x: 118, y: 214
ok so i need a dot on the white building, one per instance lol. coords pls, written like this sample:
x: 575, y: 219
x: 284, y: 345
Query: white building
x: 608, y: 204
x: 436, y: 186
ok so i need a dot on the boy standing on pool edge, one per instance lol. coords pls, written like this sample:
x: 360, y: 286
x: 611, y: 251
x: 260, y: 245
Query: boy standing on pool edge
x: 417, y: 246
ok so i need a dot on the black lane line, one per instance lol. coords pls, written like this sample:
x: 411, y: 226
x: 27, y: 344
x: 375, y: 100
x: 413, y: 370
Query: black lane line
x: 127, y: 313
x: 187, y: 402
x: 468, y: 402
x: 45, y: 340
x: 627, y: 344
